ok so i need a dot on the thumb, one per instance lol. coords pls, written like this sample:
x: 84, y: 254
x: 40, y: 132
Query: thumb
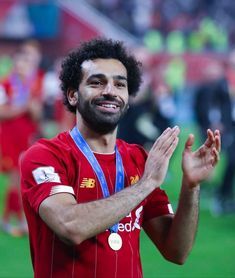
x: 189, y: 142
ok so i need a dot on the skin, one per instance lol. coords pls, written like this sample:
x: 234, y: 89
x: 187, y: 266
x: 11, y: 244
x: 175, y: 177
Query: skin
x: 172, y: 234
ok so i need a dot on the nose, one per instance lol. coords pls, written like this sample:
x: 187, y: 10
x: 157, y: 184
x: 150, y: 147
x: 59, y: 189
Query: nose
x: 109, y: 89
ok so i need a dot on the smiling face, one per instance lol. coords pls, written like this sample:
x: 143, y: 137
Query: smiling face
x: 103, y: 94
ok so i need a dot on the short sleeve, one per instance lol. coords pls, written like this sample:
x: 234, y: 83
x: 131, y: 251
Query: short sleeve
x: 43, y: 173
x: 157, y: 204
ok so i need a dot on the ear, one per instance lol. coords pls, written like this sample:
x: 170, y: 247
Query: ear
x: 72, y: 96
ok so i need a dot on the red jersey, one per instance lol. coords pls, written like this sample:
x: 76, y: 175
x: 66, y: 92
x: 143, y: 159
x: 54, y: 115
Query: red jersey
x: 57, y: 165
x: 18, y: 133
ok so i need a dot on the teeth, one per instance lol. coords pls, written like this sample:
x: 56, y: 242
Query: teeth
x: 109, y: 105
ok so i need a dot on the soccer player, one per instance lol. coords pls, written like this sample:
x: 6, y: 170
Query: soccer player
x: 20, y: 111
x: 87, y: 194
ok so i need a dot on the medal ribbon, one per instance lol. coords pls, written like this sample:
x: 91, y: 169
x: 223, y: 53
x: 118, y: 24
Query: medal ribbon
x: 85, y: 149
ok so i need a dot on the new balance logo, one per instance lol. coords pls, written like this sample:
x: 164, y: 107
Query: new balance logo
x: 87, y: 183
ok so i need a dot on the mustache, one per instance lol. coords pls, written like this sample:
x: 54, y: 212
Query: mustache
x: 110, y: 98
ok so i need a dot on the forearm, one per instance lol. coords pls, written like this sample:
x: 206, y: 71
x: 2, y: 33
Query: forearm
x: 7, y: 112
x: 184, y: 226
x: 79, y: 222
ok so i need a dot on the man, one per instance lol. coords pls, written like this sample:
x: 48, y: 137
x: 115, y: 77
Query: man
x: 20, y: 111
x: 86, y: 194
x: 214, y: 108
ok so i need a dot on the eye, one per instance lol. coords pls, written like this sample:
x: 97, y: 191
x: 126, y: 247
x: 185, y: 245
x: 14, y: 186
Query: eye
x: 96, y: 83
x: 120, y: 85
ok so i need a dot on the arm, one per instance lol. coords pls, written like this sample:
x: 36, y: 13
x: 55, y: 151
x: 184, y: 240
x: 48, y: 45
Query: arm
x: 77, y: 222
x: 174, y: 236
x: 8, y: 112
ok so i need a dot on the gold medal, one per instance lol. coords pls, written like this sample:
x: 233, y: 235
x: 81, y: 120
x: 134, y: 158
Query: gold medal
x: 115, y: 241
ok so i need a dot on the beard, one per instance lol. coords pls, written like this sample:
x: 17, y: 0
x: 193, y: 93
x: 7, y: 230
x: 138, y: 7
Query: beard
x: 101, y: 122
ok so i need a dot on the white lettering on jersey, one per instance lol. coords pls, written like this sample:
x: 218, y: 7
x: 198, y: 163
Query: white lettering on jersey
x: 170, y: 209
x: 131, y: 226
x: 136, y: 224
x: 45, y: 174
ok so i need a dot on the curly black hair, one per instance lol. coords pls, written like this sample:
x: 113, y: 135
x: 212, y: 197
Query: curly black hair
x: 71, y: 72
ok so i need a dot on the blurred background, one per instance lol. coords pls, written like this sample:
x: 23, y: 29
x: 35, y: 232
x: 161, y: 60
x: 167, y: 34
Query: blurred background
x: 187, y: 49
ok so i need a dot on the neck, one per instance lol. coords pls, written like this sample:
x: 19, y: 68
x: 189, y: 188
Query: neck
x: 100, y: 143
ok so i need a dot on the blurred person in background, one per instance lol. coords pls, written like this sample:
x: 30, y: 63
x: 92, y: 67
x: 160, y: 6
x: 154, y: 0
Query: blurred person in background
x: 153, y: 109
x: 20, y: 112
x: 86, y: 194
x: 215, y: 108
x: 55, y: 117
x: 164, y: 107
x: 137, y: 126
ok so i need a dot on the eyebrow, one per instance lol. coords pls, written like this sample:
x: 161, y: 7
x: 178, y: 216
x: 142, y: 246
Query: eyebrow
x: 100, y: 76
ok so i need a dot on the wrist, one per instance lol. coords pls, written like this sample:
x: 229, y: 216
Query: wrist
x: 149, y: 182
x: 187, y: 182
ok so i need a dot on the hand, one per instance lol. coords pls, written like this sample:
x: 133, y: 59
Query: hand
x: 197, y: 166
x: 158, y: 159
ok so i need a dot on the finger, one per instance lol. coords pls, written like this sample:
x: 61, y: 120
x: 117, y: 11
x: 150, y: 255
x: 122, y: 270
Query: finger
x: 214, y: 160
x: 217, y: 132
x: 172, y: 147
x: 216, y: 155
x: 166, y: 138
x: 189, y: 142
x: 217, y: 140
x: 168, y: 141
x: 161, y: 137
x: 210, y: 138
